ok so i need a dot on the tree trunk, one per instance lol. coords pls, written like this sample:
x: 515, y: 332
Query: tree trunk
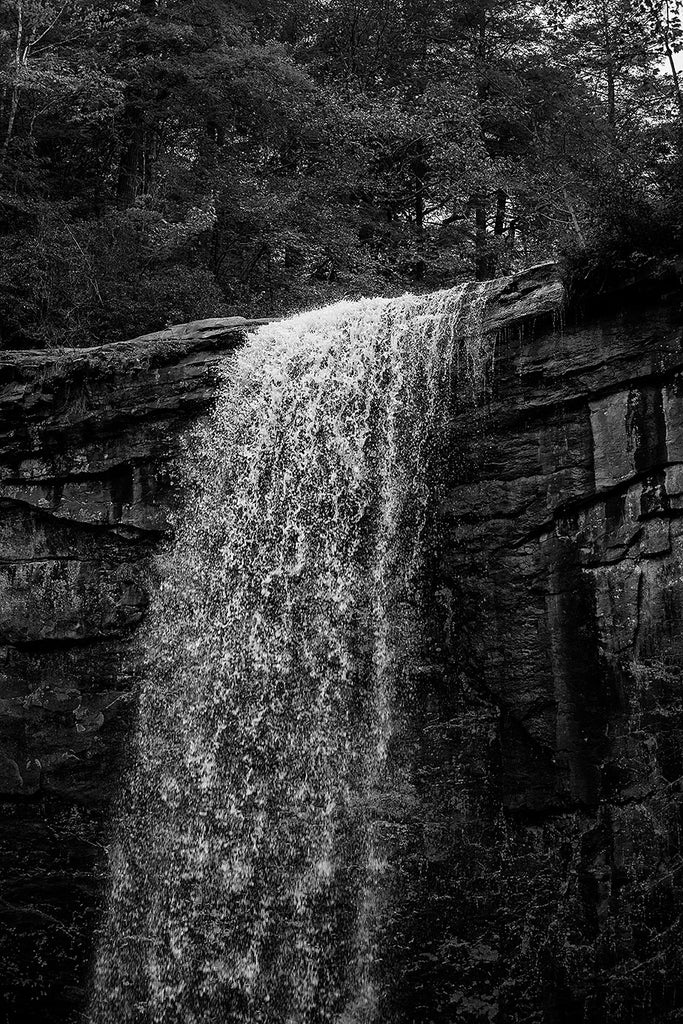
x: 14, y: 105
x: 14, y: 101
x: 482, y: 259
x: 676, y: 80
x: 501, y: 206
x: 611, y: 97
x: 136, y: 157
x: 483, y: 268
x: 609, y: 69
x: 129, y: 180
x: 670, y: 58
x: 575, y: 220
x: 419, y: 169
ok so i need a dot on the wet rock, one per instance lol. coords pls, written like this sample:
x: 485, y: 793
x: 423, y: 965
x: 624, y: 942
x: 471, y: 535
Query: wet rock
x: 88, y: 445
x: 541, y: 877
x: 567, y: 554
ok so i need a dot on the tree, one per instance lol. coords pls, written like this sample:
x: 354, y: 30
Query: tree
x: 168, y: 159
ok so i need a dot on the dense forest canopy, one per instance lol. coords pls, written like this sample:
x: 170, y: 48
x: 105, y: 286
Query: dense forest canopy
x: 165, y: 160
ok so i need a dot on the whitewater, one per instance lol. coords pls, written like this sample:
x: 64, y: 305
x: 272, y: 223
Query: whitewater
x: 252, y: 869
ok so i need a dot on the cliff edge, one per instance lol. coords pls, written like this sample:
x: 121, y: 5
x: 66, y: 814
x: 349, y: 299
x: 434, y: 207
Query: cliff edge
x: 547, y: 735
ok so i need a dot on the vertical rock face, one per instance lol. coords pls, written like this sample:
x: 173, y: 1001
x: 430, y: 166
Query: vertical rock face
x: 559, y: 705
x: 88, y: 441
x: 541, y: 870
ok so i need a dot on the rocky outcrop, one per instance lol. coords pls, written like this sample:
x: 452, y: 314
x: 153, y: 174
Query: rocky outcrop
x: 559, y: 701
x: 89, y: 440
x: 541, y: 878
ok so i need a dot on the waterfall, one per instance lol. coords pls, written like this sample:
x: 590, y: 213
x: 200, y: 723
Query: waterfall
x: 251, y: 869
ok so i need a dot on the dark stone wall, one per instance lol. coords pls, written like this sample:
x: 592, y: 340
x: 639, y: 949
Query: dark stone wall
x: 89, y: 440
x: 553, y: 767
x: 542, y: 738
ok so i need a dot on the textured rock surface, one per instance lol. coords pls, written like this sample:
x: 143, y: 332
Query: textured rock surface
x: 558, y: 707
x: 541, y: 879
x: 88, y: 441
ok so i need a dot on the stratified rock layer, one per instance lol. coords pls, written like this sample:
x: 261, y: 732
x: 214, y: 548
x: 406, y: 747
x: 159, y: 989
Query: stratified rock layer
x: 540, y: 878
x: 88, y: 444
x: 550, y: 755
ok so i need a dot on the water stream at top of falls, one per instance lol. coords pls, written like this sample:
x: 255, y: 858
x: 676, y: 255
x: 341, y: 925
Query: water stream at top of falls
x: 249, y: 872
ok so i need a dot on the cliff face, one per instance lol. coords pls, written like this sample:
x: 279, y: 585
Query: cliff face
x: 540, y: 878
x: 553, y: 767
x: 88, y: 442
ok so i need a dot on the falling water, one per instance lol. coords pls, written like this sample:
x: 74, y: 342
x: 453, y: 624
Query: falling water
x: 249, y: 873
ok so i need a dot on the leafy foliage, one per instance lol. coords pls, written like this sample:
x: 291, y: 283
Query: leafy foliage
x: 163, y: 160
